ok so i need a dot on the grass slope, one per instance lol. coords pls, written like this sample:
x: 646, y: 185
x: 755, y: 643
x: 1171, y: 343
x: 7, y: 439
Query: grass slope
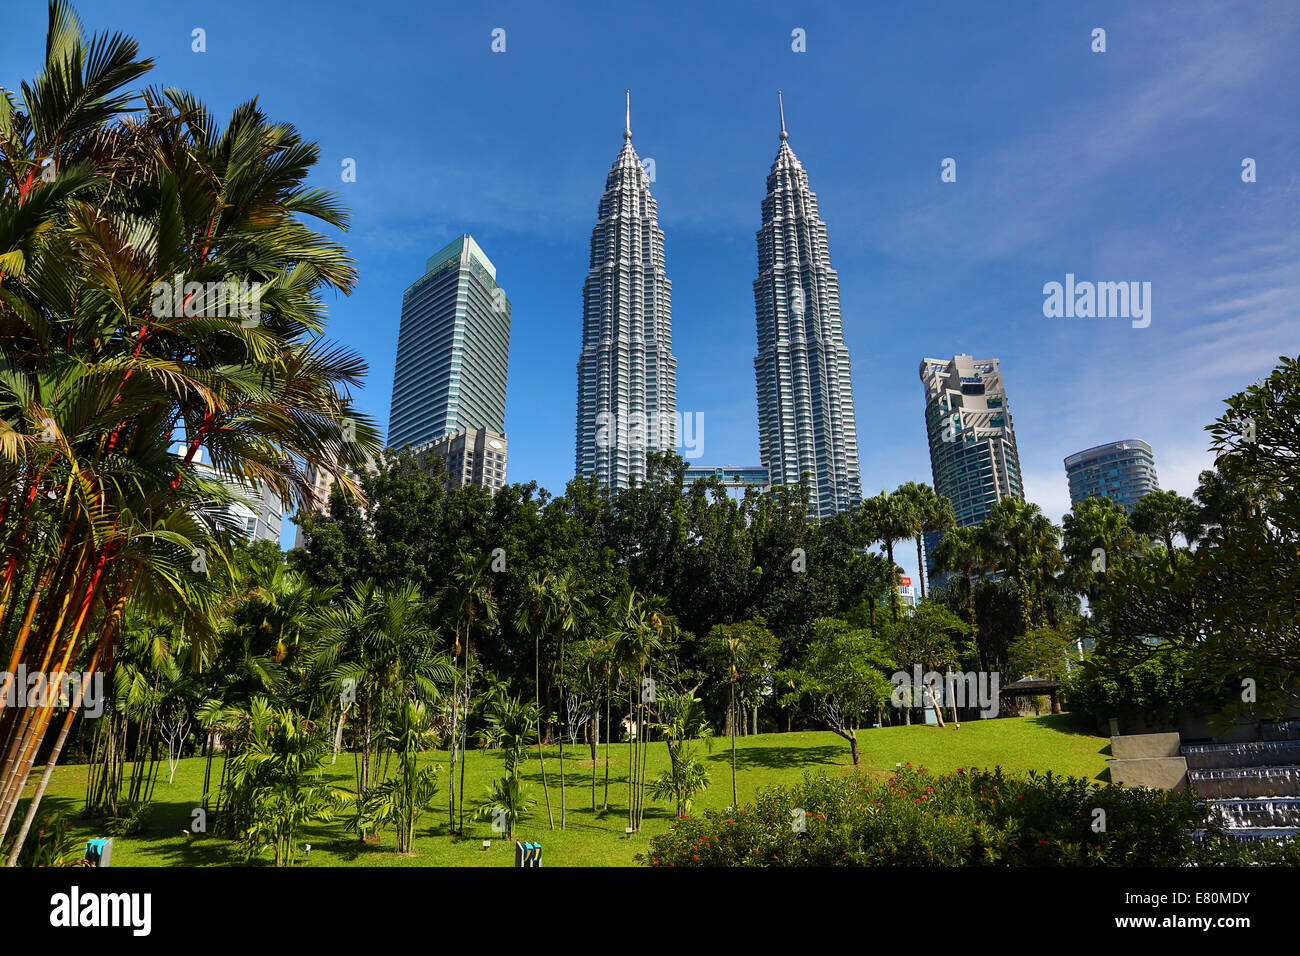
x: 597, y: 839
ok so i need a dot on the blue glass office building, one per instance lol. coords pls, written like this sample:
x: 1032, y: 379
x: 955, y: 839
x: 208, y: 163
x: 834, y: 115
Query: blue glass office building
x: 453, y: 349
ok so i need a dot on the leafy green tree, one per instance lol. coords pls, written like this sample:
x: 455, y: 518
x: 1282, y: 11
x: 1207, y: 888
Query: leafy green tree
x: 931, y: 636
x: 842, y: 677
x: 1045, y: 652
x: 1164, y: 515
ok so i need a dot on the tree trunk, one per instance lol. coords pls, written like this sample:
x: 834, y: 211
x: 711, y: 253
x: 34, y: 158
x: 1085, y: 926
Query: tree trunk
x: 609, y: 732
x: 40, y: 787
x: 735, y: 800
x: 338, y: 736
x: 893, y: 581
x: 920, y: 567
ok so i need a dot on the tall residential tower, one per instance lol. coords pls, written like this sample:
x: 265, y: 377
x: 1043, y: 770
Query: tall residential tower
x: 972, y: 440
x: 1123, y: 471
x: 453, y: 349
x: 627, y: 375
x: 806, y: 420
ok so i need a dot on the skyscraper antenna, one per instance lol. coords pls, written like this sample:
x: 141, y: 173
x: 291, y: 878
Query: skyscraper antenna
x: 781, y: 105
x: 627, y: 122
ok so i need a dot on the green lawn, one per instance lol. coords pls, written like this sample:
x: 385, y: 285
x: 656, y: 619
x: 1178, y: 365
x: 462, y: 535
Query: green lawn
x: 595, y: 839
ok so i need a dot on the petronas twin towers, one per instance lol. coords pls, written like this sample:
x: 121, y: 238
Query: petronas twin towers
x: 627, y: 375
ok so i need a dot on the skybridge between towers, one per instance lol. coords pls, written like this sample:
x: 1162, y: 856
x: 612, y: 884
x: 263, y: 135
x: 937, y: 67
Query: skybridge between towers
x: 731, y: 476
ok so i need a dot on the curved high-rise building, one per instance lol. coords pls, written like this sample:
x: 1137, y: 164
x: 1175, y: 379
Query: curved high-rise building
x: 1123, y: 471
x: 627, y: 375
x: 806, y: 421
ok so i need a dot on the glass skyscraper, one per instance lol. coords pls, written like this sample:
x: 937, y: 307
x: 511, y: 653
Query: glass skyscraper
x: 1123, y: 471
x: 453, y: 349
x: 627, y: 375
x: 806, y: 420
x: 973, y: 454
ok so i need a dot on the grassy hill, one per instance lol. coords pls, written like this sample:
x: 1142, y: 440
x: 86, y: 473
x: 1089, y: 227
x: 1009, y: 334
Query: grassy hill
x: 597, y: 839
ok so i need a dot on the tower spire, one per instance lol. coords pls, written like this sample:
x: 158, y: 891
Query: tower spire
x: 627, y: 122
x: 781, y: 105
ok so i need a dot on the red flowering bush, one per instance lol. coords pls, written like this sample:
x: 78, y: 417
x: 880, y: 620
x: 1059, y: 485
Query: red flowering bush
x: 964, y: 818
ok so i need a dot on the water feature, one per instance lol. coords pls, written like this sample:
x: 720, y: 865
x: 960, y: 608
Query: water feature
x: 1253, y: 787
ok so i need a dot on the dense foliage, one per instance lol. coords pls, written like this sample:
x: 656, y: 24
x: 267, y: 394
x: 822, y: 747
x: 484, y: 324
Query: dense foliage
x: 964, y: 818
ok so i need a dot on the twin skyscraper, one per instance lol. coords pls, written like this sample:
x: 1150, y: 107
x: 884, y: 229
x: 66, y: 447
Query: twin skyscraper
x: 450, y: 381
x: 627, y: 374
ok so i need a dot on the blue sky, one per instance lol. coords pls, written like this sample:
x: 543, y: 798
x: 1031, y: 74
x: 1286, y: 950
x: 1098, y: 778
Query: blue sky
x: 1115, y: 166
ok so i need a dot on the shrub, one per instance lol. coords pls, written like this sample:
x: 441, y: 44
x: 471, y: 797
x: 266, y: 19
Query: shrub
x: 962, y: 818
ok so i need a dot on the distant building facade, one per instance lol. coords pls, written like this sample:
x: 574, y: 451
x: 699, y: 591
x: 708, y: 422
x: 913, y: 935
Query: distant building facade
x: 973, y: 454
x: 476, y: 456
x: 627, y: 373
x: 258, y: 514
x: 806, y: 420
x: 1123, y: 471
x: 453, y: 349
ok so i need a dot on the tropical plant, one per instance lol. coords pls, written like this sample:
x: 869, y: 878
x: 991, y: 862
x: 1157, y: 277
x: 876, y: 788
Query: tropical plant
x: 123, y: 218
x: 743, y: 653
x: 929, y: 513
x: 888, y: 518
x: 278, y: 772
x: 401, y: 800
x: 682, y: 719
x: 841, y: 675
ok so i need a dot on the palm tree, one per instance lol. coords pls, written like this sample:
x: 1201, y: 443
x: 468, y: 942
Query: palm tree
x: 107, y: 197
x: 885, y: 519
x: 468, y: 602
x: 1163, y: 515
x: 929, y: 513
x: 682, y: 719
x: 512, y: 726
x: 1093, y: 524
x: 403, y: 799
x: 639, y: 626
x: 379, y: 643
x: 567, y: 610
x: 731, y: 642
x: 1023, y: 541
x: 961, y: 551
